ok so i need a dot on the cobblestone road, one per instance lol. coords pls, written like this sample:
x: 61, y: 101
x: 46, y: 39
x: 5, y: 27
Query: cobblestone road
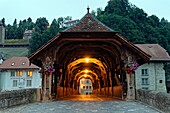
x: 83, y: 104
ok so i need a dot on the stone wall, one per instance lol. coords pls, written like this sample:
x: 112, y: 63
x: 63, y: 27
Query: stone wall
x: 17, y: 97
x: 159, y: 100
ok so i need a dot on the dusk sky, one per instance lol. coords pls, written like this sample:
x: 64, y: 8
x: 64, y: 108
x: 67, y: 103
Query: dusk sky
x: 22, y: 9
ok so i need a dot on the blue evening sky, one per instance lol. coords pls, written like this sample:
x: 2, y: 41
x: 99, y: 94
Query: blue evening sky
x: 22, y: 9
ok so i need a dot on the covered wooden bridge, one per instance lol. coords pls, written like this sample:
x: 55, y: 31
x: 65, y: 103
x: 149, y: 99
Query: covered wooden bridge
x: 90, y: 50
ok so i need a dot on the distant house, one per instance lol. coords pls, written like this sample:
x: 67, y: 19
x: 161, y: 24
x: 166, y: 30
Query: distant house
x: 17, y: 72
x: 151, y: 75
x: 85, y: 86
x: 27, y: 34
x: 71, y: 23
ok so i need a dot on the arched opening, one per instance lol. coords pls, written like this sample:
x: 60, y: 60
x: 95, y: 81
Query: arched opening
x: 88, y: 50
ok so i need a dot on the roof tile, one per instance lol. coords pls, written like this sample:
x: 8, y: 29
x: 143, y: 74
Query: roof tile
x: 156, y: 52
x: 89, y: 24
x: 17, y: 63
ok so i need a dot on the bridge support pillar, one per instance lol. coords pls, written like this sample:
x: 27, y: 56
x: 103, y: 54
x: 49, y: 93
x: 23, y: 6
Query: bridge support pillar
x: 130, y: 86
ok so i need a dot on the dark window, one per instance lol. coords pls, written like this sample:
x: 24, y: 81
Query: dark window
x: 144, y: 71
x: 15, y: 83
x: 29, y: 83
x: 160, y: 81
x: 145, y: 81
x: 89, y: 87
x: 12, y: 73
x: 146, y: 88
x: 86, y: 87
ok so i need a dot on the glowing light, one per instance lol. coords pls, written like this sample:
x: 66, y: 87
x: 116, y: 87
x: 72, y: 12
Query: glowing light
x: 86, y: 71
x: 85, y: 75
x: 87, y: 60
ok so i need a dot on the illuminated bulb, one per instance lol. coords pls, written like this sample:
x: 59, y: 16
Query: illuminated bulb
x: 86, y: 71
x: 87, y: 60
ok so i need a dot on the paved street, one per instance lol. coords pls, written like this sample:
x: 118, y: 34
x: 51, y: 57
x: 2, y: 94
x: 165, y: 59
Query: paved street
x: 83, y: 104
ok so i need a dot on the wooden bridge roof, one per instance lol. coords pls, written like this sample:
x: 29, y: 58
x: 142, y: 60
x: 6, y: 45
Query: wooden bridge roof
x: 89, y: 24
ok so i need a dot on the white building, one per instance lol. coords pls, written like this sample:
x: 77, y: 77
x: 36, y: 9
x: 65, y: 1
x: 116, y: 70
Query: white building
x: 151, y: 75
x: 17, y: 72
x: 85, y: 86
x: 71, y: 23
x: 27, y: 34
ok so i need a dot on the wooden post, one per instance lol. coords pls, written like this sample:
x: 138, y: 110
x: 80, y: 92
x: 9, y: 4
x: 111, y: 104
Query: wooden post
x: 110, y: 78
x: 73, y: 88
x: 108, y: 83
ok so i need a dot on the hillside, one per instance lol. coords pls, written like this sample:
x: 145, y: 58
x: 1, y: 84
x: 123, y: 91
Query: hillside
x: 13, y: 52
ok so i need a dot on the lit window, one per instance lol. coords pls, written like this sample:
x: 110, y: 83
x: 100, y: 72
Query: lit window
x: 29, y: 73
x: 14, y: 83
x: 145, y: 81
x: 19, y: 73
x: 12, y: 73
x: 29, y: 83
x: 144, y: 71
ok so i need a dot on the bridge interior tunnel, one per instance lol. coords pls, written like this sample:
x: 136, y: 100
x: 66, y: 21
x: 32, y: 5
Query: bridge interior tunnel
x: 100, y: 63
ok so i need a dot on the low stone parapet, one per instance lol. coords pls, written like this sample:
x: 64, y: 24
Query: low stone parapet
x: 158, y: 100
x: 17, y: 97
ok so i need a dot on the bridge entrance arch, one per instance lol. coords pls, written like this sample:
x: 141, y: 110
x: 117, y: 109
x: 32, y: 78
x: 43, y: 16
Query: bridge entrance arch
x: 88, y: 50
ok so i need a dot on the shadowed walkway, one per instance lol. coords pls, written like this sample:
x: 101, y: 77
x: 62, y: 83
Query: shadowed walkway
x: 83, y: 104
x: 89, y: 98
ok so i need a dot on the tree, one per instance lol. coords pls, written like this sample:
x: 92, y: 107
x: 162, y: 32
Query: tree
x: 41, y: 25
x: 54, y: 28
x: 60, y: 21
x: 29, y: 20
x: 3, y: 21
x: 15, y: 23
x: 35, y: 41
x: 119, y: 7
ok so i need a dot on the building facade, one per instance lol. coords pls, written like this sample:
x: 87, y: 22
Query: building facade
x: 85, y: 86
x: 17, y: 73
x: 151, y: 75
x: 71, y: 23
x: 28, y: 34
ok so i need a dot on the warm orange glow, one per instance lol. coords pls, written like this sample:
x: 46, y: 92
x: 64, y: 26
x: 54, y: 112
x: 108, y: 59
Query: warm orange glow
x: 87, y: 60
x: 86, y: 71
x: 85, y: 75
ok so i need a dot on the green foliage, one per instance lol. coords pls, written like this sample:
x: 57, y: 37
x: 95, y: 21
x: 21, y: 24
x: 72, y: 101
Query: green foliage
x: 41, y: 25
x: 134, y: 24
x: 17, y: 41
x: 43, y: 33
x: 16, y: 31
